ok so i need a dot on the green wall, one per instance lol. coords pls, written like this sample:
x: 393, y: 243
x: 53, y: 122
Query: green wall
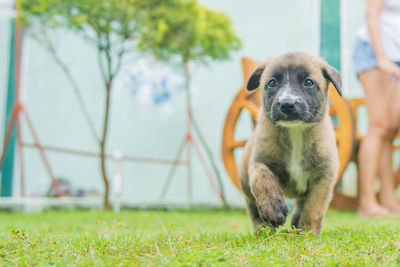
x: 5, y: 41
x: 330, y: 32
x: 8, y: 163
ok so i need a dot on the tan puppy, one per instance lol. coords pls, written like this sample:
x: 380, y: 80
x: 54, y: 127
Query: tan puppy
x: 292, y: 150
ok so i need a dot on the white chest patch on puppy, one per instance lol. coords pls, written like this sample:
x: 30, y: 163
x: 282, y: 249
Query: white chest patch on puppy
x: 295, y: 167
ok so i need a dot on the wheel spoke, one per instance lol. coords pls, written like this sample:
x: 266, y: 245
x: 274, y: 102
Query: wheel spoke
x: 239, y: 143
x: 253, y: 108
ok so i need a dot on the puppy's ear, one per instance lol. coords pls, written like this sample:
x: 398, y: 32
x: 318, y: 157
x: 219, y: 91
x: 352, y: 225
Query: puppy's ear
x: 254, y: 80
x: 333, y: 76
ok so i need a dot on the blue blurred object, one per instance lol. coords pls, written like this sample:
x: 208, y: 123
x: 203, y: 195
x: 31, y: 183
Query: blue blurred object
x: 151, y: 84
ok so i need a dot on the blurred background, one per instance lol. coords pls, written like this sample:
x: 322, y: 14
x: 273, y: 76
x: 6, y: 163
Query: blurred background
x: 148, y: 110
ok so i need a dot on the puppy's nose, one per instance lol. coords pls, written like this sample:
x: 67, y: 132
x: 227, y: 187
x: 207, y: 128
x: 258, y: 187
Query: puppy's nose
x: 287, y: 105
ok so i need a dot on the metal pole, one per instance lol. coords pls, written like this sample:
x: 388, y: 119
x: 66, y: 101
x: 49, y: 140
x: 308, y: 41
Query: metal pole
x: 117, y: 181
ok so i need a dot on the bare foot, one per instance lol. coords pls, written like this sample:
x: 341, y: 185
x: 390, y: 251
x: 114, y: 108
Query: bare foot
x: 390, y: 202
x: 372, y: 210
x: 393, y: 207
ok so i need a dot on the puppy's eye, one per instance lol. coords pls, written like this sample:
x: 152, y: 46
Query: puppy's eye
x: 308, y: 82
x: 272, y: 83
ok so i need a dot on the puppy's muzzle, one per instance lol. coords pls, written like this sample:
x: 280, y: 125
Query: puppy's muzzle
x: 287, y: 106
x: 289, y: 109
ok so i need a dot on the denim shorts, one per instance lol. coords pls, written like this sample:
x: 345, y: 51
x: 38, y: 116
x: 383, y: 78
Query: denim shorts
x: 364, y: 56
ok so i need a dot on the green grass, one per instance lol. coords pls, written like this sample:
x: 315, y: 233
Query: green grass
x: 190, y: 238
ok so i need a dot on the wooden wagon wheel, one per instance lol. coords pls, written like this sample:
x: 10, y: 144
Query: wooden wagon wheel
x: 339, y: 109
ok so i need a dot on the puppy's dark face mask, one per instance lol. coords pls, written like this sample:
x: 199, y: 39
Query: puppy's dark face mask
x: 294, y: 88
x: 292, y: 94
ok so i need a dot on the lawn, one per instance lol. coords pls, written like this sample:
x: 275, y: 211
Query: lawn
x: 190, y: 238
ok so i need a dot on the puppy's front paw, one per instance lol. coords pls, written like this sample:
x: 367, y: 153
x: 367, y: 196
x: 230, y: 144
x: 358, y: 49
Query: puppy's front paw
x: 273, y: 211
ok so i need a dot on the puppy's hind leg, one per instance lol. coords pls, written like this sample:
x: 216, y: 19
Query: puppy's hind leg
x: 297, y: 212
x: 315, y: 206
x: 268, y: 196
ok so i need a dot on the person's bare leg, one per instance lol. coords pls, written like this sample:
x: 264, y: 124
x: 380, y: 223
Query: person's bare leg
x: 387, y: 195
x: 371, y: 146
x: 369, y: 149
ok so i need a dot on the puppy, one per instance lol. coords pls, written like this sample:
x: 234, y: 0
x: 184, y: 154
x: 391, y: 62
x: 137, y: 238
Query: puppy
x: 292, y: 150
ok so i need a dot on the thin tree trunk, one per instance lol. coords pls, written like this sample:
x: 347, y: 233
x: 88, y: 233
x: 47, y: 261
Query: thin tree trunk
x: 108, y: 83
x: 106, y: 203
